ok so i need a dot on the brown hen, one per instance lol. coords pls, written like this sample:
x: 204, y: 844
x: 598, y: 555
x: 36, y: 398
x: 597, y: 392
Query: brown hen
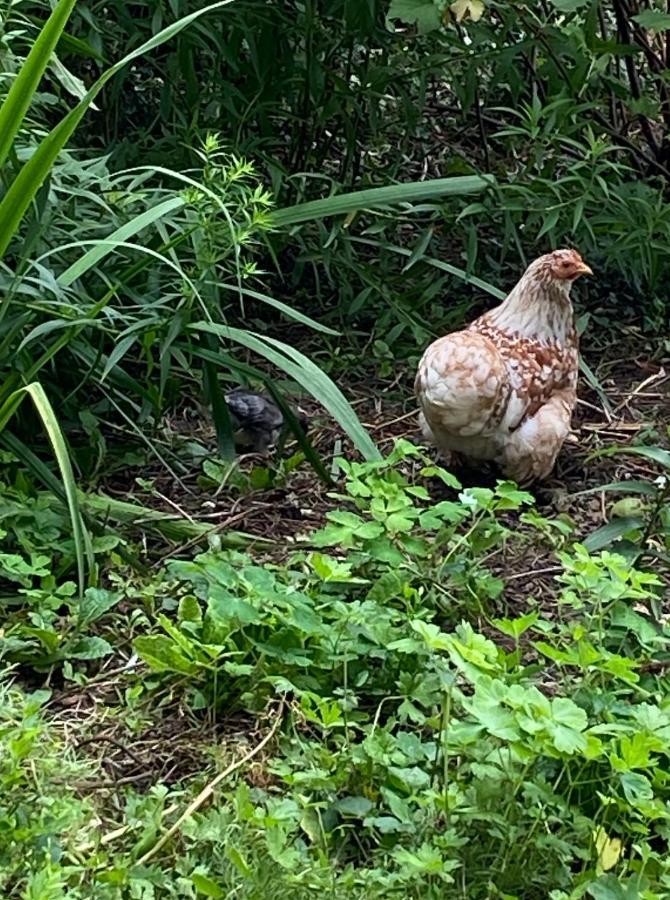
x: 503, y: 390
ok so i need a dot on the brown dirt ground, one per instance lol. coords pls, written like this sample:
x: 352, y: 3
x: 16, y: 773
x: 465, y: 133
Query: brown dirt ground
x: 635, y: 408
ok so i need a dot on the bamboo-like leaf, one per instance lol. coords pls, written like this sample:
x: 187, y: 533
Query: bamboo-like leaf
x: 375, y: 198
x: 307, y: 374
x: 437, y: 264
x: 45, y: 411
x: 646, y: 488
x: 252, y: 373
x: 25, y: 84
x: 120, y: 236
x: 26, y: 184
x: 611, y: 532
x: 288, y: 311
x: 172, y: 527
x: 656, y: 454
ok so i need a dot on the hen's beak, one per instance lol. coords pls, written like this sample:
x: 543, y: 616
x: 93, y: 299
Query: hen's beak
x: 583, y: 269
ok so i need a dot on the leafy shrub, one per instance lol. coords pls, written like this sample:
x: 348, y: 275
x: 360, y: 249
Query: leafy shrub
x: 423, y: 754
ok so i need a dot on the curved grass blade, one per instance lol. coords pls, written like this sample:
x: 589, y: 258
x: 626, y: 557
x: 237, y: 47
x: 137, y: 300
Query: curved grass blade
x: 436, y: 264
x: 223, y: 424
x: 120, y: 237
x: 173, y: 528
x: 54, y: 486
x: 593, y: 382
x: 611, y: 532
x: 35, y: 391
x: 288, y: 311
x: 622, y: 487
x: 250, y: 372
x: 294, y: 424
x: 656, y: 454
x: 307, y: 374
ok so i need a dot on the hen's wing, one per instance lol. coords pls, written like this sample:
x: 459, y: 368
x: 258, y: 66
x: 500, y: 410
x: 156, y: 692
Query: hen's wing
x: 531, y: 450
x: 462, y: 386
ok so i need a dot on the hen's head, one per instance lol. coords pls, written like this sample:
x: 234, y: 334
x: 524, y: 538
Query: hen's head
x: 563, y: 266
x: 539, y: 305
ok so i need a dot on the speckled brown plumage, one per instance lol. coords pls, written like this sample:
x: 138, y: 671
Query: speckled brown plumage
x: 504, y: 388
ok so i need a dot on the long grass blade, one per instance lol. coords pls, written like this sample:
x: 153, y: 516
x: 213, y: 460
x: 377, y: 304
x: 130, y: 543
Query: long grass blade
x: 250, y: 372
x: 93, y: 256
x: 288, y: 311
x: 374, y: 198
x: 307, y: 374
x: 25, y: 84
x: 437, y: 264
x: 35, y: 391
x: 656, y: 454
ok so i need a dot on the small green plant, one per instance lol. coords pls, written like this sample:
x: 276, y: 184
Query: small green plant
x: 46, y: 621
x: 639, y: 525
x: 42, y: 817
x: 248, y: 624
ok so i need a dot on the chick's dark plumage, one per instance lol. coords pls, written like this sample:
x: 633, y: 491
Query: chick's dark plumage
x: 257, y: 417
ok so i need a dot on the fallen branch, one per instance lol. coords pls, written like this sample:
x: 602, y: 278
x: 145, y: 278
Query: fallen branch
x: 209, y: 789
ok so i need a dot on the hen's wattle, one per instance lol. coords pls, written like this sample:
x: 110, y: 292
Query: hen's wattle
x: 503, y: 390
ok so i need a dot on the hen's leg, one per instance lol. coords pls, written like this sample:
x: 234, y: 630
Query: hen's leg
x: 531, y: 451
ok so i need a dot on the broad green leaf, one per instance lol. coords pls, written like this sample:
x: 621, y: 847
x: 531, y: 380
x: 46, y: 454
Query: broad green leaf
x: 628, y: 507
x: 516, y: 627
x: 636, y: 787
x: 161, y: 655
x: 354, y: 806
x: 238, y: 860
x: 189, y: 609
x: 566, y: 712
x: 425, y: 14
x: 206, y: 887
x: 653, y: 19
x: 87, y: 648
x: 94, y: 604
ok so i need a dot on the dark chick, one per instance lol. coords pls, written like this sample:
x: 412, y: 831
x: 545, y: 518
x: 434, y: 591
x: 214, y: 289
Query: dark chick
x: 257, y: 418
